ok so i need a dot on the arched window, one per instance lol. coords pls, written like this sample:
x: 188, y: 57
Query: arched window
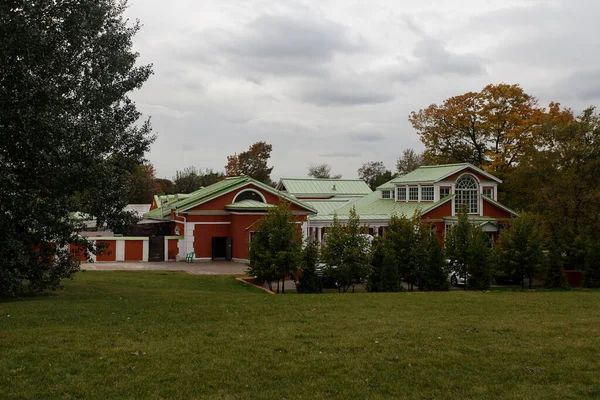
x: 249, y: 195
x: 467, y: 192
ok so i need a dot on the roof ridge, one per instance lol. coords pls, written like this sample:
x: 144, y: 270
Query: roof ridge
x: 323, y: 179
x: 444, y: 165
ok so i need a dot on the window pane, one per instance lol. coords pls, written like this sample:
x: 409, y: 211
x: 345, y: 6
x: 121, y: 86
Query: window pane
x: 467, y: 194
x: 427, y: 193
x: 402, y: 193
x: 413, y: 193
x: 385, y: 194
x: 444, y: 192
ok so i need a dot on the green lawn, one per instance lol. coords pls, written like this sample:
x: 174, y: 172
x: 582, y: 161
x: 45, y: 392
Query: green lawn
x: 114, y: 335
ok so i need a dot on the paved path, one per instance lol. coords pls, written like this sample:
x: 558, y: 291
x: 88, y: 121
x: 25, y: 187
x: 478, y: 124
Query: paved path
x: 198, y: 268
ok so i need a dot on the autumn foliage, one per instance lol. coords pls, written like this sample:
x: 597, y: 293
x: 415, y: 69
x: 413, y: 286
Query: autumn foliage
x: 252, y: 162
x: 493, y: 129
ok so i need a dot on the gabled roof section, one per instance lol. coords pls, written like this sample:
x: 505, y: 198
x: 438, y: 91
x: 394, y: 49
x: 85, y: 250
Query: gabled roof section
x: 434, y: 173
x: 372, y: 207
x: 499, y: 205
x: 324, y: 187
x: 325, y: 207
x: 215, y: 190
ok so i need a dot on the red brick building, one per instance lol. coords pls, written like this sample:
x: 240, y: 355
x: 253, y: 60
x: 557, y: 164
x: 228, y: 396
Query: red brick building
x: 217, y: 222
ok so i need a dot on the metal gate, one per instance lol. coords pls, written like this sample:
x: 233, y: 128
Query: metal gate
x: 156, y: 248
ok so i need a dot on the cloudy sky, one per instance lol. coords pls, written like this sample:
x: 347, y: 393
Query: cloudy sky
x: 334, y: 80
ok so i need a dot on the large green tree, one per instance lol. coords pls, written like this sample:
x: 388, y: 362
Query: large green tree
x: 191, y: 179
x: 346, y: 252
x: 560, y: 181
x: 519, y: 251
x: 143, y: 184
x: 322, y: 171
x: 400, y: 262
x: 374, y: 173
x: 309, y: 281
x: 409, y: 161
x: 70, y: 133
x: 275, y: 250
x: 467, y: 249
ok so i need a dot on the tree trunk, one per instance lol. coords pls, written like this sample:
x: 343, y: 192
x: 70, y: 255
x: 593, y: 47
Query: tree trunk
x: 530, y: 281
x: 283, y: 285
x: 277, y: 285
x: 270, y: 285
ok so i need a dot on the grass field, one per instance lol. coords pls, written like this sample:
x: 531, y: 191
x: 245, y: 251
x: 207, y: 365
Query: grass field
x: 147, y: 335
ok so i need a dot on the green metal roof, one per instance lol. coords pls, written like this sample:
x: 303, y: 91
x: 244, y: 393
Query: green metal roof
x: 215, y: 190
x: 325, y: 207
x: 372, y: 207
x: 324, y: 187
x: 249, y: 205
x: 433, y: 173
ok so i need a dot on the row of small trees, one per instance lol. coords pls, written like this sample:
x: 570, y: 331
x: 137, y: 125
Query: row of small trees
x: 409, y: 252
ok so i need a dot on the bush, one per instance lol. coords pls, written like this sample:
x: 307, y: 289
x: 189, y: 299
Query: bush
x: 520, y: 251
x: 308, y: 281
x: 435, y: 274
x: 346, y: 253
x: 377, y: 262
x: 275, y: 250
x: 468, y: 249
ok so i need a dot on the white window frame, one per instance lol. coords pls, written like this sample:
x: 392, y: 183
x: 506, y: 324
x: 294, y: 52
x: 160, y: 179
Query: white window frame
x: 429, y: 189
x: 250, y: 234
x: 467, y: 195
x: 413, y: 190
x: 386, y: 194
x: 491, y: 191
x: 448, y: 188
x: 403, y: 190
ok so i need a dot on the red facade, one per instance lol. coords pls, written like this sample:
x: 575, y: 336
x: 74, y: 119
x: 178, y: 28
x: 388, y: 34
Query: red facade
x: 212, y: 224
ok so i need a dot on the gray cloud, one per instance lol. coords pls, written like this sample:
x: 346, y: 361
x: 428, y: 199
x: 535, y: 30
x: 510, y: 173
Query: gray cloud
x: 344, y: 96
x: 349, y: 90
x: 430, y: 57
x: 281, y: 45
x: 365, y: 132
x: 367, y: 137
x: 336, y: 154
x: 305, y: 75
x: 583, y: 85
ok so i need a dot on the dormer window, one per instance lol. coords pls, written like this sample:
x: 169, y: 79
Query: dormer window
x: 467, y: 193
x: 426, y: 193
x: 401, y: 194
x: 413, y: 193
x: 386, y: 194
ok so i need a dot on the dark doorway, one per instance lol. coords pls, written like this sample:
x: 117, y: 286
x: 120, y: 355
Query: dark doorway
x: 219, y: 248
x: 156, y: 248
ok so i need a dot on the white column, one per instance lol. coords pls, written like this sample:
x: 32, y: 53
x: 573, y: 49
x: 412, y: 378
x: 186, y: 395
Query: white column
x: 145, y: 250
x: 304, y: 230
x: 319, y: 234
x: 189, y: 239
x: 120, y: 250
x: 166, y: 249
x: 180, y: 250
